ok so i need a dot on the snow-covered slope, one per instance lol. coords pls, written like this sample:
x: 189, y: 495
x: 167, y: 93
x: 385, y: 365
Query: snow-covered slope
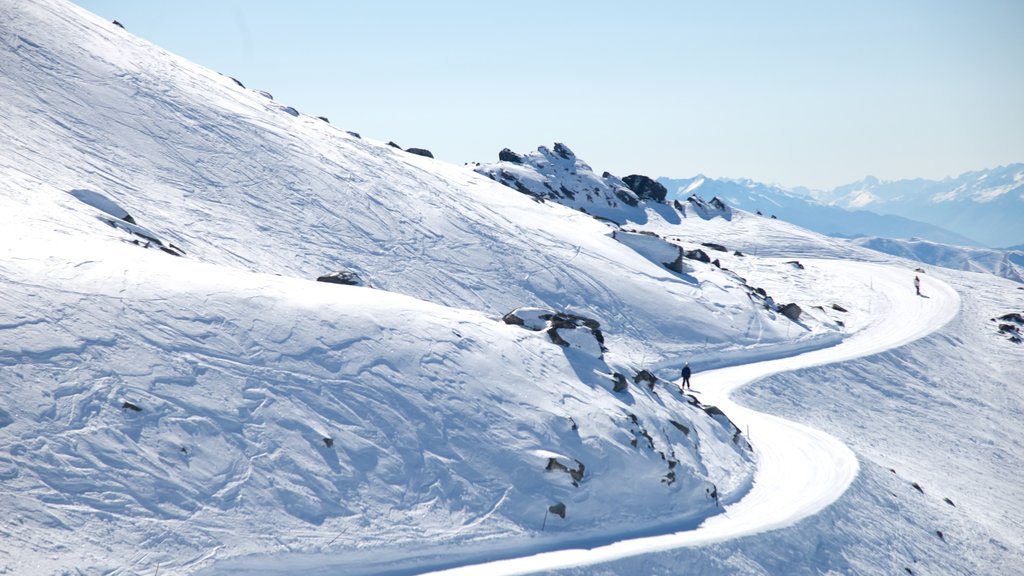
x: 1007, y: 264
x: 176, y: 385
x: 177, y: 394
x: 987, y: 205
x: 798, y: 207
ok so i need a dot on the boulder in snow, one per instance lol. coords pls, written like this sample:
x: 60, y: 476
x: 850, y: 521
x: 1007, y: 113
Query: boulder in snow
x: 345, y: 277
x: 698, y: 255
x: 420, y: 152
x: 507, y: 155
x: 565, y: 329
x: 645, y: 187
x: 791, y: 311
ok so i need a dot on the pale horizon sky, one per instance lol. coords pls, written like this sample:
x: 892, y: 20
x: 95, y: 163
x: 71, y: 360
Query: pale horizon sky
x: 815, y: 94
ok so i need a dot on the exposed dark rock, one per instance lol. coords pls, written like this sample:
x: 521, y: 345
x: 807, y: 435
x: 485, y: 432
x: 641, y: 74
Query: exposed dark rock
x: 759, y: 213
x: 329, y: 442
x: 678, y: 205
x: 698, y: 255
x: 512, y: 319
x: 1012, y: 317
x: 737, y: 253
x: 677, y: 264
x: 129, y: 406
x: 940, y: 535
x: 681, y: 427
x: 791, y: 311
x: 550, y: 322
x: 714, y: 246
x: 646, y: 376
x: 627, y: 196
x: 236, y: 81
x: 713, y: 411
x: 118, y: 24
x: 796, y: 264
x: 950, y: 502
x: 773, y: 217
x: 345, y: 277
x: 420, y: 152
x: 557, y: 338
x: 646, y: 188
x: 324, y: 118
x: 575, y: 473
x: 507, y: 155
x: 761, y: 292
x: 172, y: 250
x: 838, y: 308
x: 290, y: 110
x: 620, y: 382
x: 393, y: 145
x: 353, y: 134
x: 718, y: 204
x: 918, y: 487
x: 1008, y: 329
x: 558, y: 510
x: 716, y: 263
x: 563, y: 151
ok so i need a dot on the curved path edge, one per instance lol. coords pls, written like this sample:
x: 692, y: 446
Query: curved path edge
x: 800, y: 470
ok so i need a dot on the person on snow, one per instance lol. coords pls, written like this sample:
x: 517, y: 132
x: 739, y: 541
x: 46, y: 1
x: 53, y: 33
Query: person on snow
x: 686, y: 376
x: 917, y: 284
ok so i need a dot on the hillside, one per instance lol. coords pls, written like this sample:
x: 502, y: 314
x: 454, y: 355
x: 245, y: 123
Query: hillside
x: 482, y: 373
x: 177, y: 384
x: 1007, y: 264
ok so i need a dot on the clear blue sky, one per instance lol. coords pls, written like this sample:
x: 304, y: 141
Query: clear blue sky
x: 796, y: 93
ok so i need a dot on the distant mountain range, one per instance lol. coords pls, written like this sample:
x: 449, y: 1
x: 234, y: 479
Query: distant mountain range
x: 987, y: 205
x: 803, y: 210
x: 981, y: 208
x: 1007, y: 263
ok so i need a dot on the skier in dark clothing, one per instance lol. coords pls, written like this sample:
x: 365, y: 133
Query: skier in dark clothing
x: 917, y: 284
x: 686, y: 376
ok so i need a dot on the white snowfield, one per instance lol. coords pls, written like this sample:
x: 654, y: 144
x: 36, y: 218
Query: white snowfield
x: 218, y: 411
x: 800, y: 470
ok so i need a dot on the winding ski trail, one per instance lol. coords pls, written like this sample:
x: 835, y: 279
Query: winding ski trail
x: 800, y: 470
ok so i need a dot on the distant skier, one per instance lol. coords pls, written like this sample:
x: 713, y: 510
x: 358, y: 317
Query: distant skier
x: 686, y: 376
x: 917, y: 284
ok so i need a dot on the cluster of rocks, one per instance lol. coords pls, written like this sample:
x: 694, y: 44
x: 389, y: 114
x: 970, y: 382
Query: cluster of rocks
x: 1012, y: 325
x: 417, y: 151
x: 344, y: 277
x: 565, y: 329
x: 708, y: 209
x: 556, y: 174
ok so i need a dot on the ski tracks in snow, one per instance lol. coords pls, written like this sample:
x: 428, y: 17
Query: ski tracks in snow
x: 800, y: 470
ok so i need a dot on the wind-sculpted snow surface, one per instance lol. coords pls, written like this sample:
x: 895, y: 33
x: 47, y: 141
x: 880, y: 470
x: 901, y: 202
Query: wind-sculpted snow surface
x: 220, y: 409
x: 163, y: 412
x: 800, y: 470
x: 229, y: 177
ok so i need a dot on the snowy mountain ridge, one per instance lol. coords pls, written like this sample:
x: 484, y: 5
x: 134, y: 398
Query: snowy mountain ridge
x: 181, y: 396
x: 798, y: 207
x: 984, y: 204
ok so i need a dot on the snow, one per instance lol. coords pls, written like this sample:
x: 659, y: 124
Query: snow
x: 214, y: 410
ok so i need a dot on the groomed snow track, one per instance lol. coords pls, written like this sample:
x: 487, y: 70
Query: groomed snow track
x: 800, y: 470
